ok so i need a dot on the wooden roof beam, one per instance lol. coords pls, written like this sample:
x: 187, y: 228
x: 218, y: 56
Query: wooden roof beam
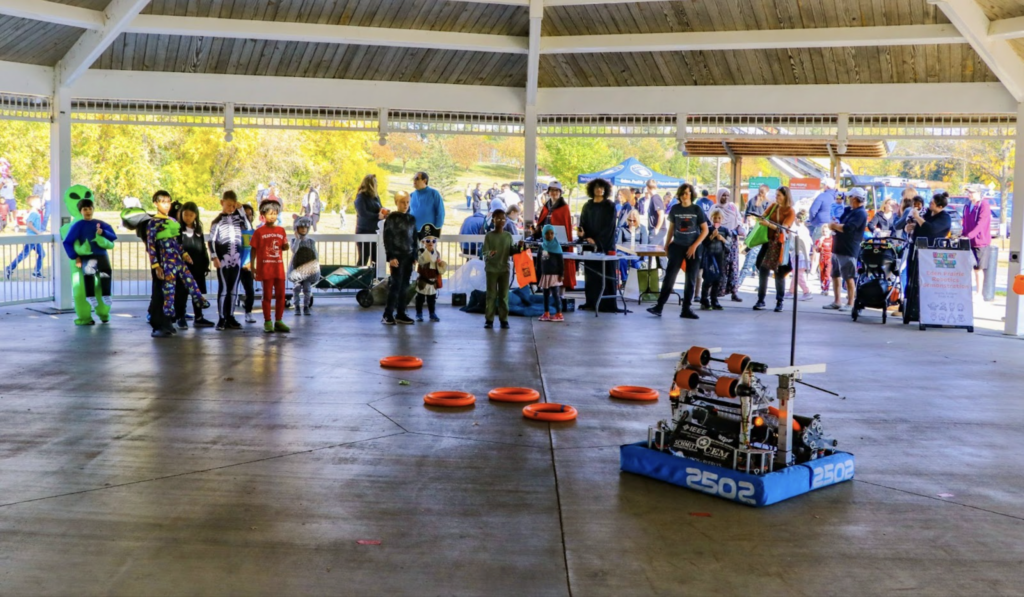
x: 1007, y: 28
x: 334, y: 34
x: 1004, y: 61
x: 52, y: 12
x: 89, y: 47
x: 839, y: 37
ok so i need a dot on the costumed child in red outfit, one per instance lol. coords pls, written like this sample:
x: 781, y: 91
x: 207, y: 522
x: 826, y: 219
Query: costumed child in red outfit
x: 268, y: 242
x: 823, y: 247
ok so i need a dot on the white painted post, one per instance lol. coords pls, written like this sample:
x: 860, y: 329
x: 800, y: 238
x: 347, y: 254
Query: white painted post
x: 60, y: 181
x: 1014, y: 321
x: 530, y: 164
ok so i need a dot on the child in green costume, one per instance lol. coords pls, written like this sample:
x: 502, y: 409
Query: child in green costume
x: 86, y: 241
x: 497, y: 251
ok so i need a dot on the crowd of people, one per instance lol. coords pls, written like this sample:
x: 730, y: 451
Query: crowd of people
x: 705, y: 237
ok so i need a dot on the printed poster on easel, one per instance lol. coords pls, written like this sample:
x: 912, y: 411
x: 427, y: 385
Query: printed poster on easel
x: 946, y: 290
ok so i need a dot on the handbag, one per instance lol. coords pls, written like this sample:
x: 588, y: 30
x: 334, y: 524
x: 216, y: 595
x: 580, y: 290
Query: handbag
x: 525, y: 272
x: 759, y: 234
x: 712, y: 270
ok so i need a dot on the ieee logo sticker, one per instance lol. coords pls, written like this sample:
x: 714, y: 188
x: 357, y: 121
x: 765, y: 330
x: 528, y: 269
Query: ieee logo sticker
x: 944, y: 260
x: 641, y: 171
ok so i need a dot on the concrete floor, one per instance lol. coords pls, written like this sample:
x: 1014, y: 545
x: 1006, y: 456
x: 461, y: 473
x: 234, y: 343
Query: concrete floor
x: 242, y: 463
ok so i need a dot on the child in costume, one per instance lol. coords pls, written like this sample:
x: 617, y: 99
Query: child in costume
x: 550, y: 271
x: 87, y: 242
x: 226, y: 248
x: 429, y: 267
x: 824, y: 249
x: 400, y: 251
x: 246, y: 278
x: 268, y: 242
x: 167, y: 262
x: 305, y: 266
x: 716, y: 251
x: 803, y: 245
x: 197, y: 260
x: 498, y: 249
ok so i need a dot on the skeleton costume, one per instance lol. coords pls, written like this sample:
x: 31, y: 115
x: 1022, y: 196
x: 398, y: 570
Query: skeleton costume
x: 225, y: 243
x: 304, y: 270
x: 429, y: 271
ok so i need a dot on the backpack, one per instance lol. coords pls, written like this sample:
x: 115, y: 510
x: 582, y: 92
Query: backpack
x: 137, y: 219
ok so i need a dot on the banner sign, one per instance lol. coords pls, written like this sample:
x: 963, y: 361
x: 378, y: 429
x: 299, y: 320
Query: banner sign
x: 773, y: 182
x: 805, y: 184
x: 945, y: 282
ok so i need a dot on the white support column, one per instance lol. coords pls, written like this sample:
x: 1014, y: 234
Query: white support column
x: 530, y: 120
x: 60, y: 180
x: 1014, y: 302
x: 530, y: 164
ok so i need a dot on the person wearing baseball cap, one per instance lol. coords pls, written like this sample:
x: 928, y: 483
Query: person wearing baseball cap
x: 849, y: 232
x: 556, y: 213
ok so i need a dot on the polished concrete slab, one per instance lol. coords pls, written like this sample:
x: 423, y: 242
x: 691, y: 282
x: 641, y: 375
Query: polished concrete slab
x: 244, y: 463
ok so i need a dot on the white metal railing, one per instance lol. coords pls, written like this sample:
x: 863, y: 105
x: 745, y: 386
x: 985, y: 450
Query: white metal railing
x: 606, y: 125
x: 305, y: 117
x: 455, y: 123
x: 101, y: 111
x: 21, y: 285
x: 17, y: 106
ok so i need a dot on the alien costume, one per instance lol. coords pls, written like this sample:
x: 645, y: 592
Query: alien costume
x: 81, y: 240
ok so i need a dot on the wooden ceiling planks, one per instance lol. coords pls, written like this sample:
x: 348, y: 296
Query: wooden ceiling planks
x: 1002, y: 9
x: 434, y: 15
x: 35, y: 42
x: 734, y: 15
x: 805, y: 66
x: 169, y: 53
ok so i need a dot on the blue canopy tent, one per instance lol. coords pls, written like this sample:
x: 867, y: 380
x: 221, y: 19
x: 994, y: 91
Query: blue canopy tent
x: 631, y: 173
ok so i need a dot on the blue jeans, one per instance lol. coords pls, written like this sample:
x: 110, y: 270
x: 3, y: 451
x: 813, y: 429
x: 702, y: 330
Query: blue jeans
x: 749, y: 265
x: 23, y: 255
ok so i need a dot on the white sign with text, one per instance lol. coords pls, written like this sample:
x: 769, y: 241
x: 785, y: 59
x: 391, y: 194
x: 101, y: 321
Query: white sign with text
x: 946, y: 288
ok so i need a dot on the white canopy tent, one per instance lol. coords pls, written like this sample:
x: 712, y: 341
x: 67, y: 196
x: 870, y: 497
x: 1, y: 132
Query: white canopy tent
x: 698, y: 71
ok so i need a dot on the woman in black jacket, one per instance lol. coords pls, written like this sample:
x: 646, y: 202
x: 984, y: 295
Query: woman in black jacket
x: 597, y: 227
x: 197, y: 260
x: 369, y: 213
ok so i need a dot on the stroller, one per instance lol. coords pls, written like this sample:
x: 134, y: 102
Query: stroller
x: 878, y: 276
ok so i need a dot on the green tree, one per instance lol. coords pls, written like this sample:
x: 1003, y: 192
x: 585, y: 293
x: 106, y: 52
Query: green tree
x: 439, y: 164
x: 565, y: 158
x: 26, y: 145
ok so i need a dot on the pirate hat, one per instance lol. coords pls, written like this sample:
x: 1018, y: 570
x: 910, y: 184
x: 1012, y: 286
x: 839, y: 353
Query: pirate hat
x: 429, y: 231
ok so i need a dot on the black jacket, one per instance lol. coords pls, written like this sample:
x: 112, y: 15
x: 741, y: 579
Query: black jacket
x: 367, y: 213
x: 399, y: 236
x: 554, y: 265
x: 195, y: 247
x: 598, y: 222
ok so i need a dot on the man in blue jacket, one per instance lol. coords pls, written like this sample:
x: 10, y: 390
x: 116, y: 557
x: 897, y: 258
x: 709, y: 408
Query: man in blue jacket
x: 820, y: 212
x: 426, y: 204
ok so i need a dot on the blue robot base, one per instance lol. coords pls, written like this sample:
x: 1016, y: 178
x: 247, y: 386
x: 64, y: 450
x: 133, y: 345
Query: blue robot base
x: 737, y: 486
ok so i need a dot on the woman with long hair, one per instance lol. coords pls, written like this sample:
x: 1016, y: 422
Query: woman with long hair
x: 773, y: 256
x: 369, y: 213
x: 687, y: 229
x: 597, y: 227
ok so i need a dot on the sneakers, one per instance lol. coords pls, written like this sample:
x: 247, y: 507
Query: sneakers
x: 844, y: 308
x: 298, y: 311
x: 182, y: 324
x: 202, y: 322
x: 545, y: 317
x: 249, y: 318
x: 404, y: 320
x: 37, y: 275
x: 232, y: 324
x: 435, y: 319
x: 504, y: 325
x: 717, y: 307
x: 488, y: 325
x: 268, y: 327
x: 221, y: 325
x: 688, y: 314
x: 204, y: 304
x: 778, y: 306
x: 832, y: 307
x: 160, y: 333
x: 806, y: 296
x: 654, y: 311
x: 419, y: 317
x: 736, y: 298
x: 557, y: 317
x: 759, y: 306
x: 388, y: 319
x: 279, y: 326
x: 705, y: 306
x: 7, y: 274
x: 305, y: 311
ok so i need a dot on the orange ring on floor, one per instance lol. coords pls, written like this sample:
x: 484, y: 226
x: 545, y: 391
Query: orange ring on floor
x: 401, y: 362
x: 449, y: 399
x: 513, y: 394
x: 633, y: 393
x: 549, y: 412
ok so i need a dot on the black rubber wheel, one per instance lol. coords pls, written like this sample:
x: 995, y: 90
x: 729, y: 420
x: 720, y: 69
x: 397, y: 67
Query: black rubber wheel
x: 364, y: 298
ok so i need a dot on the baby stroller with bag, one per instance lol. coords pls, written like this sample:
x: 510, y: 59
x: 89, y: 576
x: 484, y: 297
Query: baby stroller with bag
x: 878, y: 277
